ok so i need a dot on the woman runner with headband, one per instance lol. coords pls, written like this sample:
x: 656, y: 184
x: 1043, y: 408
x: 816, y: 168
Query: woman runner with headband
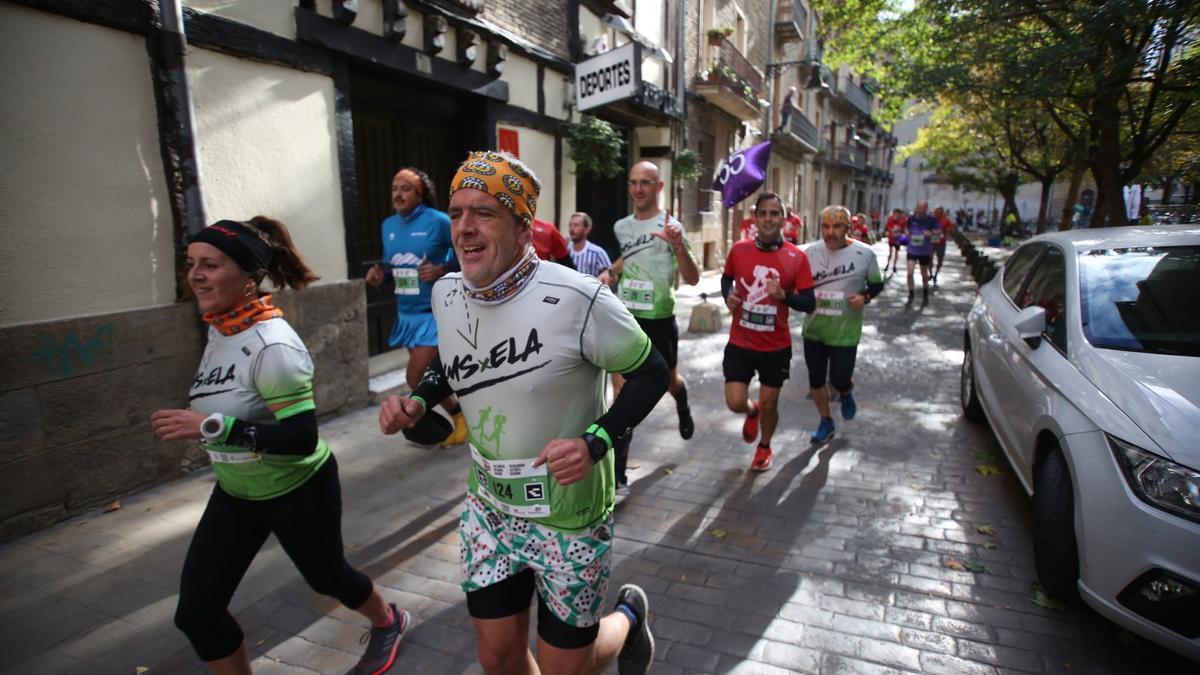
x: 252, y: 407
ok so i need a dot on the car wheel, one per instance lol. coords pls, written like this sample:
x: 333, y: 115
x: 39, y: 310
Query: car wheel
x: 971, y: 407
x: 1055, y: 553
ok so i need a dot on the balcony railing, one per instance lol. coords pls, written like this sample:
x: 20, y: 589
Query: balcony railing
x: 856, y: 96
x: 799, y: 126
x: 730, y: 57
x: 790, y: 19
x: 851, y: 157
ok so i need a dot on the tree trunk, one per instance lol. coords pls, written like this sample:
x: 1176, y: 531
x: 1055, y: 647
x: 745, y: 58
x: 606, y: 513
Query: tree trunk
x: 1043, y: 205
x: 1098, y: 207
x: 1106, y: 167
x: 1068, y: 212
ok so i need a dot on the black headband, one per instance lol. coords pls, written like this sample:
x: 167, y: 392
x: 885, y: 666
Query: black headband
x: 239, y: 242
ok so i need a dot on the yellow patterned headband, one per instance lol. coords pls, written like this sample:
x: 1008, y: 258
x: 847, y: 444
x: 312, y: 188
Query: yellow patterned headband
x: 510, y: 183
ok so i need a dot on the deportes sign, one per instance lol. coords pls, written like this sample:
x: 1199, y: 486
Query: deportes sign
x: 608, y: 77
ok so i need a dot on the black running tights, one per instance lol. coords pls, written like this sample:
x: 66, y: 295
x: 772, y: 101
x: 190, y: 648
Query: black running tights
x: 308, y: 524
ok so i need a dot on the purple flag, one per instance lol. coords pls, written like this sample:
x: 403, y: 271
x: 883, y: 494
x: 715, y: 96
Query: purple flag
x: 742, y: 173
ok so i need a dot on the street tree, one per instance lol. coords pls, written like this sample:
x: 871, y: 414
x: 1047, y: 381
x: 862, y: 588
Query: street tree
x: 968, y: 150
x: 1115, y: 77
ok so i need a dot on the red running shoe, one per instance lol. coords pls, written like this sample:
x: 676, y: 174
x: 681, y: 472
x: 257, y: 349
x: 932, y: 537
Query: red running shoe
x: 750, y: 426
x: 762, y: 459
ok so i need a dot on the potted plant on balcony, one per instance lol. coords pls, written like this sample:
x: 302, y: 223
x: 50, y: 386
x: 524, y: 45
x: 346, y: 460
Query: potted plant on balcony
x: 686, y: 166
x: 596, y: 147
x: 718, y: 33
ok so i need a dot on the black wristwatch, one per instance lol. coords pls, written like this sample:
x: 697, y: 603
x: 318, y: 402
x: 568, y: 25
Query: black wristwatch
x: 596, y: 447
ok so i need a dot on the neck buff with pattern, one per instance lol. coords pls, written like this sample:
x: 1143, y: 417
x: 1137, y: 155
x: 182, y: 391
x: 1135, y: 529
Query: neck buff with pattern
x: 245, y: 316
x: 764, y: 246
x: 507, y: 285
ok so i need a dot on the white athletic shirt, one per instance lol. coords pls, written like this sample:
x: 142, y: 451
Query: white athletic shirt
x: 239, y: 376
x: 531, y: 370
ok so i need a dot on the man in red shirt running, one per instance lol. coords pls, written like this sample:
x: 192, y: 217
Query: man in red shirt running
x: 939, y: 245
x: 550, y: 244
x: 764, y: 277
x: 792, y: 227
x: 894, y: 228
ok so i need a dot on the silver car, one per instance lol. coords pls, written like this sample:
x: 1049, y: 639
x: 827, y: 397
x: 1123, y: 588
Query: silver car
x: 1084, y: 355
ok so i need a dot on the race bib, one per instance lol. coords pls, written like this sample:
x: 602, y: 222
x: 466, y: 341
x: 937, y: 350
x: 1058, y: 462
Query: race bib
x: 916, y: 239
x: 514, y: 486
x: 830, y: 303
x: 407, y: 281
x: 758, y: 317
x: 233, y: 457
x: 637, y: 294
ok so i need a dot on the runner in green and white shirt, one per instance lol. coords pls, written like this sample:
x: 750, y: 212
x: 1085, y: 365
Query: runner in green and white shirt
x: 654, y: 251
x: 525, y: 346
x: 845, y: 276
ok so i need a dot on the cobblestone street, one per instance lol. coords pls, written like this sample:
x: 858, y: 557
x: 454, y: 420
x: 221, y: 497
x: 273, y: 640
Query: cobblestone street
x: 851, y: 557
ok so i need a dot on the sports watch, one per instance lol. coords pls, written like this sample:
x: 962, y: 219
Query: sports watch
x: 596, y: 446
x: 212, y: 429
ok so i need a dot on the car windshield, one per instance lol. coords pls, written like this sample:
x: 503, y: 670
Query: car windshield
x: 1141, y: 299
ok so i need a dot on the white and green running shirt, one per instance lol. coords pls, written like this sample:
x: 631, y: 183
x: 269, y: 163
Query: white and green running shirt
x: 647, y: 285
x: 531, y: 370
x: 837, y: 274
x: 239, y: 376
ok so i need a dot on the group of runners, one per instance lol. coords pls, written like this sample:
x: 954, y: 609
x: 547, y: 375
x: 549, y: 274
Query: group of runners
x: 923, y: 235
x: 495, y: 334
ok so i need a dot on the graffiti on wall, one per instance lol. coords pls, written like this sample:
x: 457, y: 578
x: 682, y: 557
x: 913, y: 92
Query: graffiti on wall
x: 63, y: 356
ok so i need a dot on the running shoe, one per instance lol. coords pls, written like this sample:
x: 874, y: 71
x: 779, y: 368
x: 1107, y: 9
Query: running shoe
x: 686, y: 426
x: 762, y: 459
x: 824, y: 430
x: 750, y: 426
x: 849, y: 407
x: 382, y: 644
x: 638, y: 650
x: 459, y: 435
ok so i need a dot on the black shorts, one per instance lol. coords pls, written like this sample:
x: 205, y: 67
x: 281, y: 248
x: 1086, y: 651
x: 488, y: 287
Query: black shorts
x: 513, y: 596
x: 895, y: 245
x: 939, y: 250
x: 923, y: 259
x: 837, y: 363
x: 773, y: 367
x: 664, y: 335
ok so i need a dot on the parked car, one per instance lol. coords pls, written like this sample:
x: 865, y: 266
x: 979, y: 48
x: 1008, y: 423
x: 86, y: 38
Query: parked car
x: 1083, y: 353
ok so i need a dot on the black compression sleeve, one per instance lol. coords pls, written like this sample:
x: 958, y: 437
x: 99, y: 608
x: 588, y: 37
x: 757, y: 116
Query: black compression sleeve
x: 644, y: 386
x: 433, y: 387
x: 726, y: 285
x: 295, y: 435
x: 804, y: 301
x: 874, y: 290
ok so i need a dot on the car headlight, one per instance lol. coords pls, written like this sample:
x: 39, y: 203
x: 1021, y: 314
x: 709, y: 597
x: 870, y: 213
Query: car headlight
x: 1158, y: 481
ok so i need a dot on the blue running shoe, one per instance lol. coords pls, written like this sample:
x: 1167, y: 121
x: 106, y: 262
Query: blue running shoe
x: 849, y: 408
x: 824, y: 430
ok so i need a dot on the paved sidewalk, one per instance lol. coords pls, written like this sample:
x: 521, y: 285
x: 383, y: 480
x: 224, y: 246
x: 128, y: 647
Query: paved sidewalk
x: 834, y: 561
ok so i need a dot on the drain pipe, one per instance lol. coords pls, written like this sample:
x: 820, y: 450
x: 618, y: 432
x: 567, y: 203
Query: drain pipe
x: 177, y: 125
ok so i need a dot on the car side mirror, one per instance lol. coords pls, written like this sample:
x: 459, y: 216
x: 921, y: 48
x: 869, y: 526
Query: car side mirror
x: 1030, y: 324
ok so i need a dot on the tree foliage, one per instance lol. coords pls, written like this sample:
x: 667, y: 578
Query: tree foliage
x: 1114, y: 77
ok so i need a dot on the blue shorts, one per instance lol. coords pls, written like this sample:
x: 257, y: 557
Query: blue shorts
x: 414, y: 330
